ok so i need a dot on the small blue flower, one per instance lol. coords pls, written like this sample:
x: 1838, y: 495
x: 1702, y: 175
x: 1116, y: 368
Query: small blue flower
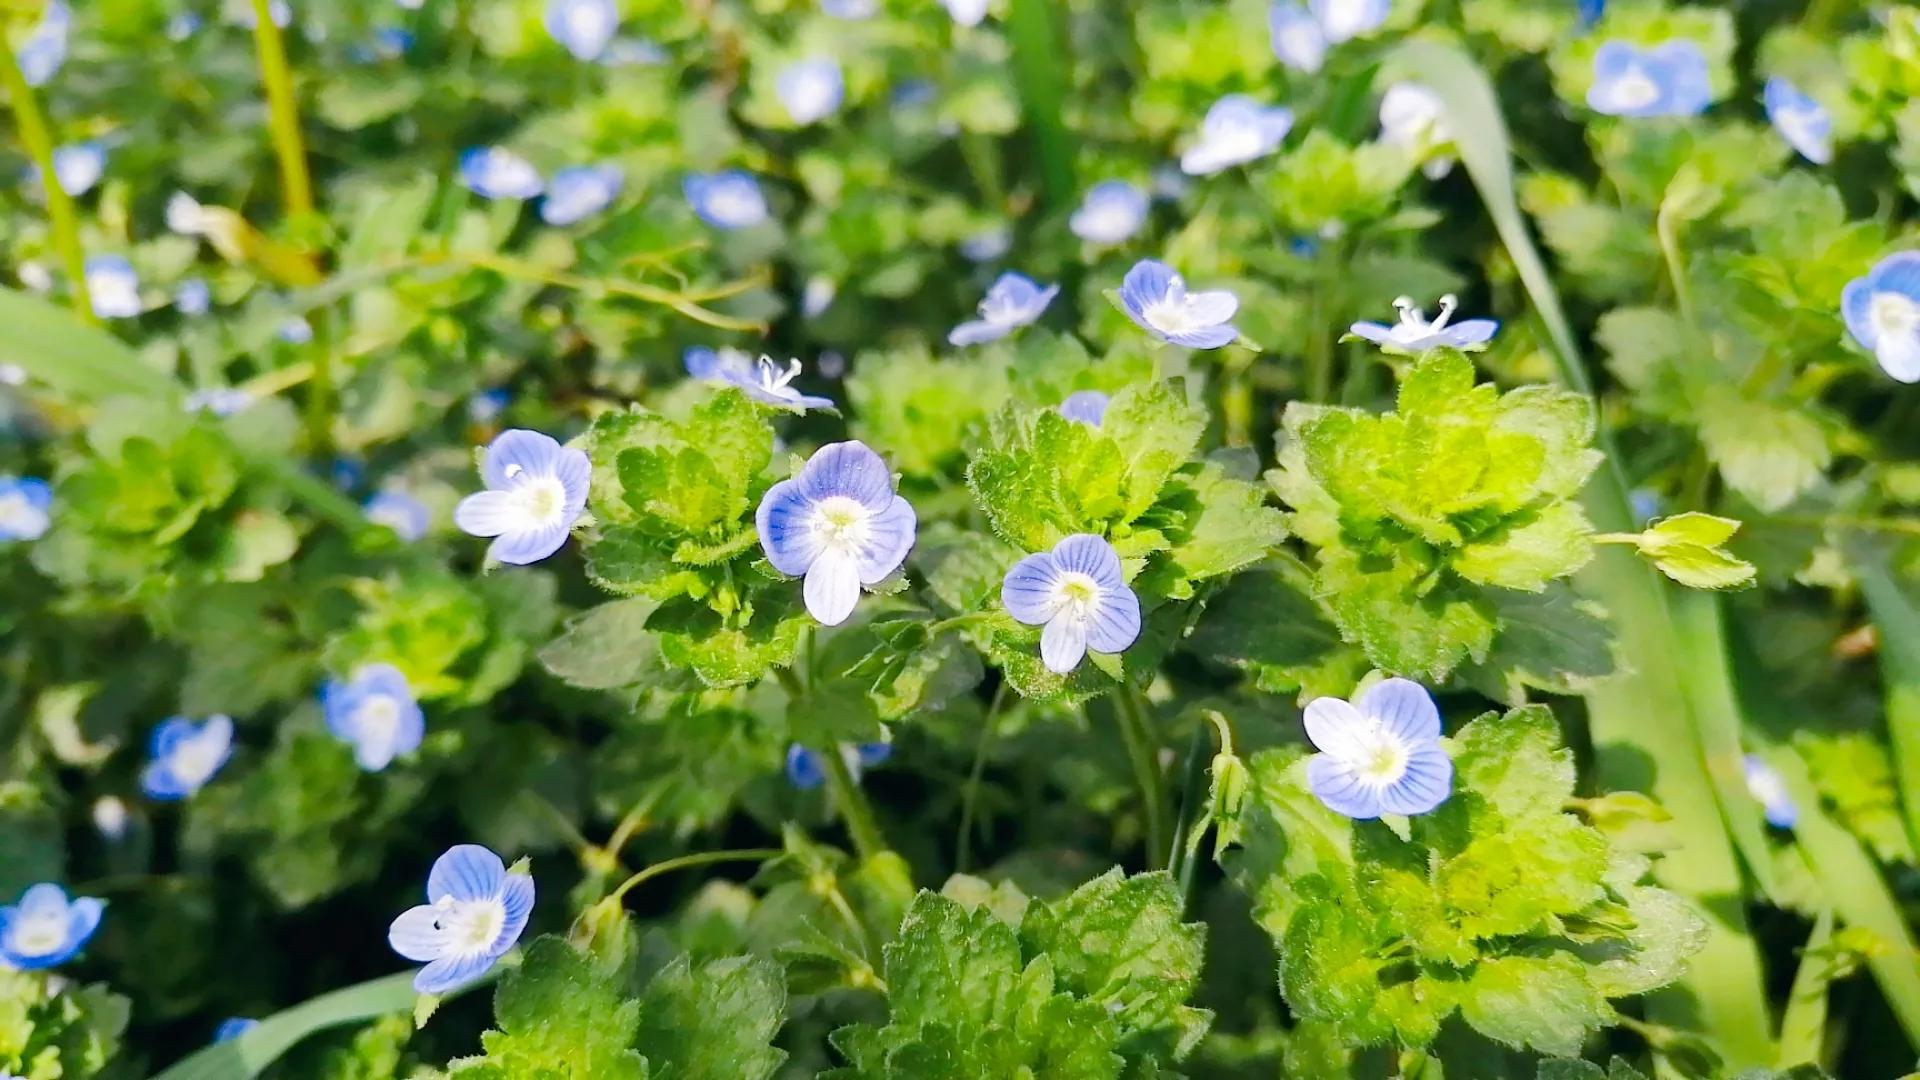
x: 1077, y: 593
x: 1344, y: 20
x: 1883, y: 314
x: 1155, y: 297
x: 536, y: 490
x: 390, y: 43
x: 79, y: 166
x: 1646, y: 505
x: 1296, y: 37
x: 399, y: 511
x: 494, y: 172
x: 45, y: 929
x: 810, y: 90
x: 280, y: 11
x: 583, y: 27
x: 1413, y: 118
x: 1670, y: 79
x: 1112, y: 212
x: 850, y: 9
x: 723, y: 365
x: 233, y: 1027
x: 1767, y: 788
x: 110, y: 818
x: 346, y: 472
x: 988, y: 244
x: 1590, y: 12
x: 1803, y: 122
x: 113, y: 287
x: 185, y: 755
x: 1414, y: 334
x: 218, y: 400
x: 805, y: 772
x: 839, y: 525
x: 1089, y: 407
x: 474, y: 913
x: 1237, y: 129
x: 1012, y: 301
x: 726, y: 200
x: 913, y: 93
x: 487, y: 405
x: 580, y: 192
x: 770, y: 385
x: 1380, y: 754
x: 375, y: 713
x: 966, y: 12
x: 45, y: 48
x: 193, y: 297
x: 26, y: 508
x: 295, y: 331
x: 817, y: 296
x: 184, y: 25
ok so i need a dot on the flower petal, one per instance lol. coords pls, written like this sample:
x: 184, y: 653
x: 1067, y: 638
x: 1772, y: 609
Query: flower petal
x: 1334, y: 726
x: 1336, y: 784
x: 977, y: 332
x: 452, y: 972
x: 489, y: 513
x: 832, y: 587
x: 1212, y: 306
x: 523, y: 546
x: 466, y: 872
x: 1212, y: 337
x: 1144, y: 284
x: 1899, y: 356
x: 417, y: 934
x: 889, y: 538
x: 785, y: 530
x: 516, y: 902
x: 1116, y: 621
x: 516, y: 451
x: 1472, y: 332
x: 1063, y: 644
x: 851, y: 469
x: 43, y: 900
x: 803, y: 768
x: 1426, y: 783
x: 1404, y: 708
x: 1027, y: 590
x: 1085, y: 553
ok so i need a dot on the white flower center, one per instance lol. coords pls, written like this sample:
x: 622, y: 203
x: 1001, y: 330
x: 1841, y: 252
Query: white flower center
x: 1893, y: 315
x: 1413, y: 326
x: 774, y: 381
x: 1634, y: 89
x: 1378, y: 757
x: 40, y: 933
x: 734, y: 203
x: 1108, y: 218
x: 18, y: 517
x: 1172, y: 313
x: 542, y: 499
x: 841, y: 524
x: 471, y: 926
x: 377, y: 718
x: 1075, y: 596
x: 195, y: 759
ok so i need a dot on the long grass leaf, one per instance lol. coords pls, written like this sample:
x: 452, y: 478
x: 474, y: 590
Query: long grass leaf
x: 243, y: 1058
x: 1897, y: 619
x: 1041, y: 79
x: 81, y: 362
x: 1803, y: 1030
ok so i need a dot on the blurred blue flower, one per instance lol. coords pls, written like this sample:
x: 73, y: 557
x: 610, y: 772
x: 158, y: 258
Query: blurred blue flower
x: 218, y: 400
x: 816, y: 296
x: 241, y: 13
x: 494, y: 172
x: 771, y: 385
x: 810, y: 90
x: 536, y: 490
x: 1803, y: 122
x: 1767, y: 788
x: 474, y: 913
x: 386, y: 43
x: 805, y: 772
x: 1413, y: 118
x: 1415, y: 334
x: 1670, y: 79
x: 850, y: 9
x: 1344, y: 20
x: 1296, y: 37
x: 45, y: 929
x: 1380, y: 754
x: 1076, y: 592
x: 110, y: 817
x: 988, y: 244
x: 1590, y: 12
x: 1111, y: 213
x: 399, y: 511
x: 839, y: 525
x: 233, y: 1027
x: 1237, y: 129
x: 580, y: 192
x: 184, y: 25
x: 726, y: 200
x: 113, y: 287
x: 1012, y: 301
x: 193, y: 296
x: 1882, y: 311
x: 26, y: 508
x: 487, y: 405
x: 966, y: 12
x: 184, y: 755
x: 725, y: 364
x: 44, y: 50
x: 1169, y: 183
x: 346, y: 472
x: 79, y: 166
x: 1646, y: 505
x: 1089, y: 407
x: 913, y: 93
x: 375, y: 713
x: 295, y: 330
x: 582, y: 27
x: 1156, y: 299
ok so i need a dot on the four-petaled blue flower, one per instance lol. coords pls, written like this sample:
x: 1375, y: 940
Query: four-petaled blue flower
x: 536, y: 490
x: 1415, y: 334
x: 1012, y: 301
x: 1380, y: 754
x: 723, y: 365
x: 375, y: 713
x: 1590, y: 12
x: 583, y: 27
x: 1076, y: 593
x: 1112, y: 212
x: 1089, y: 407
x: 79, y: 166
x: 1883, y: 314
x: 495, y: 172
x: 1344, y: 20
x: 45, y: 929
x: 1767, y: 787
x: 810, y: 90
x: 726, y: 200
x: 487, y: 405
x: 296, y: 331
x: 475, y: 911
x: 966, y: 12
x: 839, y: 524
x: 113, y: 287
x: 218, y: 400
x: 185, y: 755
x: 769, y: 384
x: 1670, y: 79
x: 1803, y: 122
x: 805, y: 772
x: 193, y: 296
x: 1301, y: 36
x: 233, y: 1027
x: 580, y: 192
x: 988, y: 244
x: 1237, y: 129
x: 399, y: 511
x: 1156, y: 298
x: 26, y: 506
x: 45, y: 48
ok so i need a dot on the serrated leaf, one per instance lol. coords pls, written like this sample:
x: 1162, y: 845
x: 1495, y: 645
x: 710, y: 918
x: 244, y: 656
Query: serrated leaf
x: 1535, y: 1003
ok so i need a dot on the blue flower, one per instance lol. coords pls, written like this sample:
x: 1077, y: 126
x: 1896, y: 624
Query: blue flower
x: 1237, y: 129
x: 1590, y: 12
x: 474, y: 913
x: 1414, y: 334
x: 1013, y: 301
x: 26, y: 506
x: 1155, y: 297
x: 295, y: 331
x: 810, y: 90
x: 1089, y: 407
x: 1670, y: 79
x: 1802, y: 121
x: 186, y: 216
x: 280, y: 11
x: 1646, y: 505
x: 233, y: 1027
x: 346, y: 472
x: 387, y: 43
x: 1344, y: 20
x: 988, y: 244
x: 45, y: 48
x: 770, y: 385
x: 850, y: 9
x: 79, y: 166
x: 966, y: 12
x: 723, y: 365
x: 399, y: 511
x: 1413, y: 118
x: 816, y: 296
x: 1380, y: 754
x: 113, y: 287
x: 1766, y: 786
x: 1111, y: 213
x: 185, y: 755
x: 580, y: 192
x: 487, y: 405
x: 193, y: 296
x: 805, y: 772
x: 494, y: 172
x: 1883, y: 314
x: 45, y: 929
x: 1077, y: 593
x: 184, y: 25
x: 1296, y: 37
x: 218, y: 400
x: 536, y: 490
x: 110, y: 817
x: 726, y: 200
x: 838, y: 524
x: 583, y: 27
x: 375, y: 713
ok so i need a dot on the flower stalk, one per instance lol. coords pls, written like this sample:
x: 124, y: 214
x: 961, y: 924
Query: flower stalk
x: 62, y: 220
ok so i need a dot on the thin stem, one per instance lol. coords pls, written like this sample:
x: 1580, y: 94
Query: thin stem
x: 296, y: 187
x: 687, y: 304
x: 39, y: 143
x: 1908, y: 526
x: 1319, y: 339
x: 963, y: 844
x: 852, y: 804
x: 320, y: 393
x: 1676, y: 271
x: 1192, y: 793
x: 630, y: 824
x: 683, y: 862
x: 1141, y: 751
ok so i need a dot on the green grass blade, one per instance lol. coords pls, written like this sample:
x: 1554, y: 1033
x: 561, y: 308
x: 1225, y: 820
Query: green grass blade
x: 81, y: 362
x: 1803, y: 1031
x: 1898, y: 621
x: 1643, y: 723
x: 244, y: 1058
x: 1041, y: 78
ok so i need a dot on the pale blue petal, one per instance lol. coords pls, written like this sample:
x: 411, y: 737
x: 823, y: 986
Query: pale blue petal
x: 803, y: 768
x: 782, y: 524
x: 1426, y: 783
x: 872, y: 753
x: 83, y: 918
x: 1212, y: 337
x: 516, y: 900
x: 1086, y: 406
x: 466, y: 872
x: 42, y: 900
x: 1085, y: 553
x: 1063, y: 644
x: 531, y: 452
x: 1146, y: 283
x: 1404, y: 708
x: 1027, y: 590
x: 1855, y: 301
x: 1898, y: 273
x: 890, y: 538
x: 523, y: 547
x: 1471, y: 332
x: 851, y: 469
x: 977, y: 332
x: 416, y: 934
x: 1372, y: 331
x: 452, y: 972
x: 1337, y: 786
x: 1116, y: 621
x: 832, y: 588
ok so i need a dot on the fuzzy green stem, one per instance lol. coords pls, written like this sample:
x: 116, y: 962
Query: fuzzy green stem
x: 683, y: 862
x: 39, y: 145
x: 868, y: 841
x: 989, y: 726
x: 296, y: 187
x: 1193, y: 795
x: 1141, y: 751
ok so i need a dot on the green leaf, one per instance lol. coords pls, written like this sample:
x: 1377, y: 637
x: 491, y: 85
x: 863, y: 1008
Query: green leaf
x: 1768, y: 453
x: 713, y: 1022
x: 606, y: 647
x: 1157, y: 432
x: 558, y: 1017
x: 245, y: 1057
x: 1535, y: 1003
x: 1686, y: 548
x: 80, y: 361
x: 1515, y: 762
